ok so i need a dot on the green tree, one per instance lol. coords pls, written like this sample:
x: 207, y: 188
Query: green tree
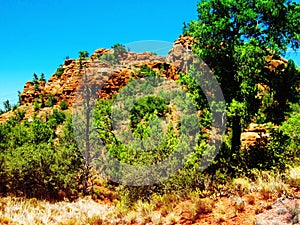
x: 59, y: 71
x: 19, y: 98
x: 234, y: 38
x: 283, y: 83
x: 64, y: 105
x: 83, y: 54
x: 119, y: 49
x: 35, y: 81
x: 35, y: 78
x: 82, y: 57
x: 7, y: 105
x: 51, y: 100
x: 42, y: 78
x: 40, y: 132
x: 290, y: 128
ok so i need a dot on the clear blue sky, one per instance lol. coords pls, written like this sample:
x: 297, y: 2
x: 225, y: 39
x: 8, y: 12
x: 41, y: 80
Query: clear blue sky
x: 37, y: 35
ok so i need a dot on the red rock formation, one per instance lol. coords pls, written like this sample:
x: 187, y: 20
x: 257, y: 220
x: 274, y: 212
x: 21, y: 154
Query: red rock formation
x: 109, y: 78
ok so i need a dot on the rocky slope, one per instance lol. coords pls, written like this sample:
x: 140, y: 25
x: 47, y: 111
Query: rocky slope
x: 108, y: 71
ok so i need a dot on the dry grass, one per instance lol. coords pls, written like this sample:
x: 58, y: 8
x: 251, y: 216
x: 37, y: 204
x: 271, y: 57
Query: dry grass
x: 242, y: 186
x: 32, y: 211
x: 268, y: 184
x: 160, y: 210
x: 293, y: 177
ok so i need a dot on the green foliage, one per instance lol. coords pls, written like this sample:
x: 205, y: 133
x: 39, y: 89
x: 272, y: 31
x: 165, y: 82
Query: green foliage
x: 193, y: 88
x: 145, y: 107
x: 51, y: 100
x: 35, y: 81
x: 19, y: 98
x: 64, y: 105
x: 145, y: 71
x: 7, y: 105
x: 234, y: 39
x: 283, y: 84
x: 20, y: 114
x: 119, y: 49
x: 36, y: 106
x: 270, y: 156
x: 83, y: 54
x: 42, y: 78
x: 290, y: 129
x: 41, y: 171
x: 40, y: 132
x: 35, y: 78
x: 109, y: 58
x: 32, y: 165
x: 59, y: 71
x: 56, y: 118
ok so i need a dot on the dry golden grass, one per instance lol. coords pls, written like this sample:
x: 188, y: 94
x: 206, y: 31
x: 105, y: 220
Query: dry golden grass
x: 160, y: 210
x: 293, y: 177
x: 241, y: 186
x: 32, y: 211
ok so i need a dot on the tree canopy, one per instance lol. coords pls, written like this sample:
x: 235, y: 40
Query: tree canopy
x: 235, y: 38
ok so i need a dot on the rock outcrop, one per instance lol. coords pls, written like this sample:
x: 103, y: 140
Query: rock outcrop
x: 108, y: 75
x: 108, y: 71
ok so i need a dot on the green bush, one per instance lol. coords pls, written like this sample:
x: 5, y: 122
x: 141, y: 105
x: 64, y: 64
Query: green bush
x: 64, y: 105
x: 119, y: 49
x: 59, y: 71
x: 36, y: 106
x: 20, y: 114
x: 145, y: 107
x: 41, y: 171
x: 56, y: 118
x: 109, y: 58
x: 290, y: 128
x: 32, y: 165
x: 7, y: 105
x: 40, y: 132
x: 51, y: 100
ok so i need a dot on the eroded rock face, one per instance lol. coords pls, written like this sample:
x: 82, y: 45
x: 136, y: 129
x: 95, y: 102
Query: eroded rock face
x: 109, y: 78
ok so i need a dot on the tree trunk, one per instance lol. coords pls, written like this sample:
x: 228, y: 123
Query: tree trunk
x: 236, y: 135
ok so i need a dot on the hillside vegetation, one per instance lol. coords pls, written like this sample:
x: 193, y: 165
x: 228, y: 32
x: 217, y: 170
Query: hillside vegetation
x: 47, y: 156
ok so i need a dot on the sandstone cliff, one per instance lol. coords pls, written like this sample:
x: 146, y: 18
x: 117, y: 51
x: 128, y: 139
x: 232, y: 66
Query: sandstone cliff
x: 108, y: 77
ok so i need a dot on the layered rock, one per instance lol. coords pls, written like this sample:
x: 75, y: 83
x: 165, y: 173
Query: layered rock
x: 107, y: 75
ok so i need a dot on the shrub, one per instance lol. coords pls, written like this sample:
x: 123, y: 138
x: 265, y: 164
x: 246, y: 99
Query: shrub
x: 42, y: 78
x: 146, y: 107
x: 119, y: 49
x: 109, y: 58
x: 64, y: 105
x: 20, y: 114
x: 32, y: 165
x: 41, y: 171
x: 7, y: 105
x: 56, y: 118
x: 51, y: 100
x: 36, y: 106
x: 59, y: 71
x: 40, y: 132
x: 288, y: 128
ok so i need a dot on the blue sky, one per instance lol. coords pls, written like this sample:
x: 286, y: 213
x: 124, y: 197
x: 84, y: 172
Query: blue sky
x: 37, y: 35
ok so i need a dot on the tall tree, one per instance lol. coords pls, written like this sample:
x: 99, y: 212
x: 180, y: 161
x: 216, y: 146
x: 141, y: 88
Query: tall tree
x: 7, y: 105
x: 234, y: 37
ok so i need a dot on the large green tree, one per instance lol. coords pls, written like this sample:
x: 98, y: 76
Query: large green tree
x: 235, y: 37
